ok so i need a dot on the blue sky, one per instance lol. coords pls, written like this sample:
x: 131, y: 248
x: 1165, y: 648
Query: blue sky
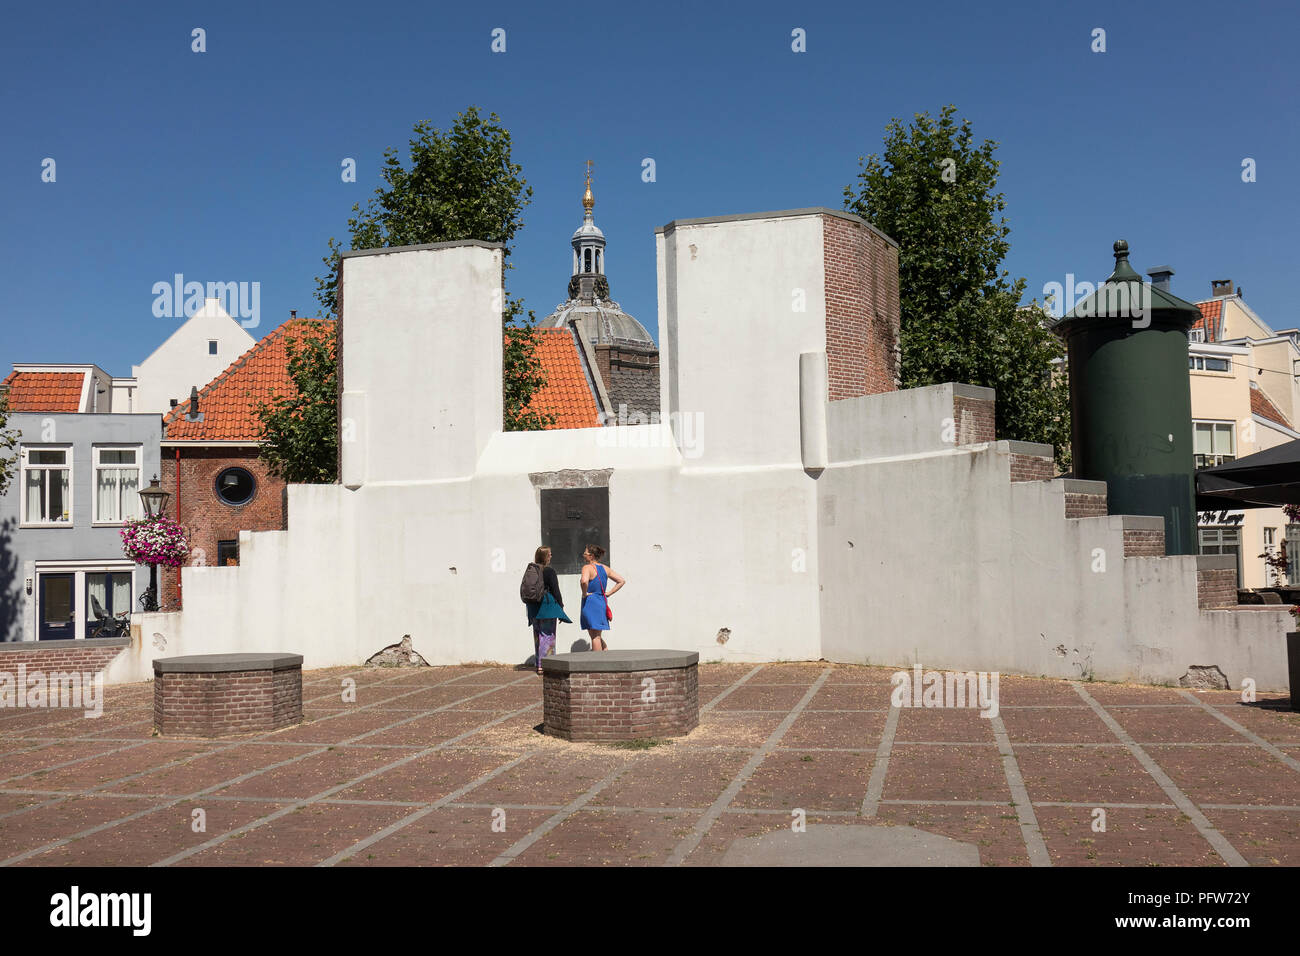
x: 225, y: 165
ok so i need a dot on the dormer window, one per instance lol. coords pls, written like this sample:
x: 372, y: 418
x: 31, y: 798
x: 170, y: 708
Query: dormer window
x: 1196, y: 335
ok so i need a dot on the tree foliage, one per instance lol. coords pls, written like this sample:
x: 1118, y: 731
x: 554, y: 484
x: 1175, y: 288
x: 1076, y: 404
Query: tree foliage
x: 299, y: 430
x: 460, y: 184
x: 933, y: 190
x: 8, y: 446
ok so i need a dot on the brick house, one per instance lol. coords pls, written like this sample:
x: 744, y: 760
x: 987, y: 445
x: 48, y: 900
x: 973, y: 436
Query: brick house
x: 210, y: 458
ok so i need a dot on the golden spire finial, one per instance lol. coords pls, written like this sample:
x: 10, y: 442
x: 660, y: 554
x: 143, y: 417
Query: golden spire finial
x: 587, y: 200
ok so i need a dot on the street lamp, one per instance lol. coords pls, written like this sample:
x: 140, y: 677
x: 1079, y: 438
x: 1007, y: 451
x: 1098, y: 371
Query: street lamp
x: 155, y: 501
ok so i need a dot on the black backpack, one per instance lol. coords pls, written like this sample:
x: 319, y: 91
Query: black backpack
x: 532, y: 588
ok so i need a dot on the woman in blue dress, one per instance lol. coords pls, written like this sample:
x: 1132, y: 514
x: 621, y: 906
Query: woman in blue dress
x: 595, y: 579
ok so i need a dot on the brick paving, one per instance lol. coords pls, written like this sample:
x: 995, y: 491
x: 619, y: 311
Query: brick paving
x: 445, y: 766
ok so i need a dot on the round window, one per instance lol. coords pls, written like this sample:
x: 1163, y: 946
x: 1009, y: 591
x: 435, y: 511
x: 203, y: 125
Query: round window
x: 236, y: 486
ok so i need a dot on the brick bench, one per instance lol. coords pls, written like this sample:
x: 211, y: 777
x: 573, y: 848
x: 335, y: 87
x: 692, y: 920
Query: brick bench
x: 215, y: 695
x: 621, y: 695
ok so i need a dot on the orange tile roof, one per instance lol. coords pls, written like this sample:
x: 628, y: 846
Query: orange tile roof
x: 566, y: 394
x: 44, y: 391
x: 1261, y: 405
x: 229, y: 402
x: 1211, y: 319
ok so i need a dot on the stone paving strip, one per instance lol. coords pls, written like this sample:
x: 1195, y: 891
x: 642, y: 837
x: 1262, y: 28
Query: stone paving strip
x: 1251, y: 736
x: 216, y: 747
x: 702, y: 826
x: 876, y: 785
x: 339, y: 788
x: 242, y: 777
x: 1033, y: 836
x: 581, y: 801
x: 750, y: 754
x: 1216, y: 839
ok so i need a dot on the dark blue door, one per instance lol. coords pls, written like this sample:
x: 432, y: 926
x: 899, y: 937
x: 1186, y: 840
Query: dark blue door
x: 58, y: 619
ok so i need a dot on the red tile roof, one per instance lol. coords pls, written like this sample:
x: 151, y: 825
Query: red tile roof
x: 1211, y: 319
x: 1261, y: 405
x: 44, y: 391
x: 566, y: 394
x: 229, y: 402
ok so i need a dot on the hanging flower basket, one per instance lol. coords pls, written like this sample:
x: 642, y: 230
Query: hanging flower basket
x: 157, y: 540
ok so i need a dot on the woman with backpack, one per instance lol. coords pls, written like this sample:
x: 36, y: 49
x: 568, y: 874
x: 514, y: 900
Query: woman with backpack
x: 540, y: 592
x: 596, y: 614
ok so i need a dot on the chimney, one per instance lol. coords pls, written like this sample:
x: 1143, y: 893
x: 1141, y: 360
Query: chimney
x: 293, y: 313
x: 194, y: 415
x: 1220, y: 287
x: 1160, y: 276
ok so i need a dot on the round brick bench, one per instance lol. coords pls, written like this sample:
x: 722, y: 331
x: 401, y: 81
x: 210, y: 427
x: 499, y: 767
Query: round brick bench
x: 214, y: 695
x: 621, y: 695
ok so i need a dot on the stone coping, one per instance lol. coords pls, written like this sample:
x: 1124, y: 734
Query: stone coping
x: 775, y: 214
x: 226, y: 663
x: 87, y: 643
x: 623, y: 661
x: 1217, y: 562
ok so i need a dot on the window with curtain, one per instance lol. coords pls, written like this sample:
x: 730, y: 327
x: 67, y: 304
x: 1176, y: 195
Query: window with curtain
x: 111, y: 590
x: 117, y: 484
x: 47, y: 495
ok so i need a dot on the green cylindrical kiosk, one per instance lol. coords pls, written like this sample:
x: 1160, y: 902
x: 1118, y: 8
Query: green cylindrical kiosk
x: 1130, y: 399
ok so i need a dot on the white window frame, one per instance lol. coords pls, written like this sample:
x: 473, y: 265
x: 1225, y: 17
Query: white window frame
x: 80, y: 604
x: 96, y: 465
x: 1196, y: 335
x: 1214, y: 458
x: 1196, y: 363
x: 27, y: 466
x: 1291, y: 541
x: 1217, y: 531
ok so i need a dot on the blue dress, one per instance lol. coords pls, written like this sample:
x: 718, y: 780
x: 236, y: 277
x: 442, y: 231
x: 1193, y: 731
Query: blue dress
x: 593, y: 605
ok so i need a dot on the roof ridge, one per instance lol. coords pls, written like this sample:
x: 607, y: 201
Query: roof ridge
x: 242, y: 360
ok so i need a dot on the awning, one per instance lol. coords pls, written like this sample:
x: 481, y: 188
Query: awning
x: 1266, y: 479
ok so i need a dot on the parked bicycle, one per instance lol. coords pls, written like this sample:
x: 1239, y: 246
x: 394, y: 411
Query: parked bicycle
x: 109, y: 625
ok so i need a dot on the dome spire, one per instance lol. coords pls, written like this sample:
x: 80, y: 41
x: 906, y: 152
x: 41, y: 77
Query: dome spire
x: 587, y: 200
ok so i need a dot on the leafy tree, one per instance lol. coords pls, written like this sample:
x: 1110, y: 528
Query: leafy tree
x: 8, y: 444
x: 461, y: 184
x: 933, y: 191
x: 299, y: 431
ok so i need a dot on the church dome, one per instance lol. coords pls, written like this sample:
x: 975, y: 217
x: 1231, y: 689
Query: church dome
x: 602, y: 323
x: 589, y: 304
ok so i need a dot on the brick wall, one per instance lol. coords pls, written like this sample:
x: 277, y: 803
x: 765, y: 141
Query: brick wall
x: 974, y: 418
x: 1141, y: 543
x: 1215, y: 587
x: 862, y: 310
x: 1085, y: 506
x: 209, y: 519
x: 610, y: 706
x: 83, y: 657
x: 235, y: 702
x: 1031, y: 468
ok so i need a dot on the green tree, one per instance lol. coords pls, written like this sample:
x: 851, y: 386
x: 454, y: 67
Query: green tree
x: 8, y: 445
x: 461, y: 184
x: 299, y: 431
x: 934, y: 191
